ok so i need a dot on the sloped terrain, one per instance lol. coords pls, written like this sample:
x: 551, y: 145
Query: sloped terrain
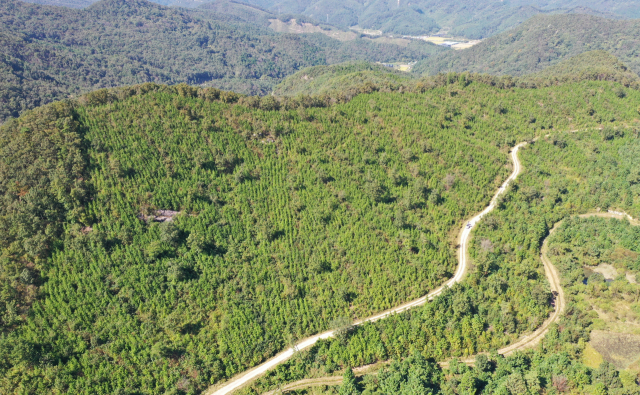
x: 53, y: 52
x: 346, y: 78
x: 288, y: 216
x: 542, y: 42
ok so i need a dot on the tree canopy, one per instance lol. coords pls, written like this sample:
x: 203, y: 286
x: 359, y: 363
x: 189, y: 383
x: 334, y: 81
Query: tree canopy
x: 159, y: 238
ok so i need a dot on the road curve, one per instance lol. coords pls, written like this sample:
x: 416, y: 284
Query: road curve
x: 525, y: 342
x: 551, y: 272
x: 255, y: 372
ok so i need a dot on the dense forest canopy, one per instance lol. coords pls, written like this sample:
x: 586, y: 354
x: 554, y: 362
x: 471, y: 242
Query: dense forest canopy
x: 287, y: 216
x: 351, y: 78
x: 566, y: 173
x: 50, y: 53
x: 163, y: 238
x: 540, y: 42
x: 473, y: 19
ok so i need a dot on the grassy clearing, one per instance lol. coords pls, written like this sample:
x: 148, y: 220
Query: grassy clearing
x: 591, y: 357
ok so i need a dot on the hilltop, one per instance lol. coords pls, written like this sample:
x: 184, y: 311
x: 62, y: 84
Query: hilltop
x: 592, y: 65
x: 346, y: 78
x: 162, y: 238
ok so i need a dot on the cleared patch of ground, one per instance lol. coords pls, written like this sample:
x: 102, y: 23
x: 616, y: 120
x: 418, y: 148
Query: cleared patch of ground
x: 368, y: 32
x: 620, y: 349
x: 403, y: 42
x: 298, y: 28
x: 616, y: 315
x: 466, y: 45
x: 462, y: 42
x: 374, y: 35
x: 437, y: 39
x: 608, y: 271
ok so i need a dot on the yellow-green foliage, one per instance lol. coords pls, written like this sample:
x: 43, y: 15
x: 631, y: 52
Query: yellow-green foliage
x: 291, y: 216
x: 591, y: 357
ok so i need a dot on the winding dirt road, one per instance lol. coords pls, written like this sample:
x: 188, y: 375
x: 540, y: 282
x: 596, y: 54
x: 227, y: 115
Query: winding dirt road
x: 525, y: 342
x: 253, y: 373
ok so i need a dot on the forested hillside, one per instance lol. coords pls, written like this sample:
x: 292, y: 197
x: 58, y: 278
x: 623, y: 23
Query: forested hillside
x: 566, y: 173
x: 473, y: 19
x: 53, y: 52
x: 239, y: 11
x: 598, y: 258
x: 541, y: 42
x: 592, y: 65
x: 351, y: 78
x: 345, y: 78
x: 164, y: 238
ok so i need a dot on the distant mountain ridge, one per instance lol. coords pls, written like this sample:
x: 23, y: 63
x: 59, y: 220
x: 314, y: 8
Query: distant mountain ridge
x: 541, y: 42
x: 352, y: 78
x: 50, y: 53
x: 473, y: 19
x: 592, y: 65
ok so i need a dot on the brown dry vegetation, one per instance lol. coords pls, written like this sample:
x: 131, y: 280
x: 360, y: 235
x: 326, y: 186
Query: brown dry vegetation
x: 298, y: 28
x: 620, y: 349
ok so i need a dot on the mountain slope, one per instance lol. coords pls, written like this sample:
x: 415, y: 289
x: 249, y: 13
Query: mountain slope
x: 592, y: 65
x: 288, y: 216
x: 52, y: 52
x: 472, y: 19
x: 541, y: 42
x: 239, y: 11
x: 350, y: 78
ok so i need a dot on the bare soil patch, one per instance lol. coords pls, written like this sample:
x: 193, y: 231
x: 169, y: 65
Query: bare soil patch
x: 620, y: 349
x: 608, y: 271
x: 298, y: 28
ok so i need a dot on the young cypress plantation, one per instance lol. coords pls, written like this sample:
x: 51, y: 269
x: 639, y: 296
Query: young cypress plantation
x: 566, y: 173
x: 160, y: 239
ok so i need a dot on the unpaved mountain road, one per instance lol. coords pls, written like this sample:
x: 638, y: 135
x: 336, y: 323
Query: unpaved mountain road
x: 253, y: 373
x: 527, y: 341
x: 554, y: 281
